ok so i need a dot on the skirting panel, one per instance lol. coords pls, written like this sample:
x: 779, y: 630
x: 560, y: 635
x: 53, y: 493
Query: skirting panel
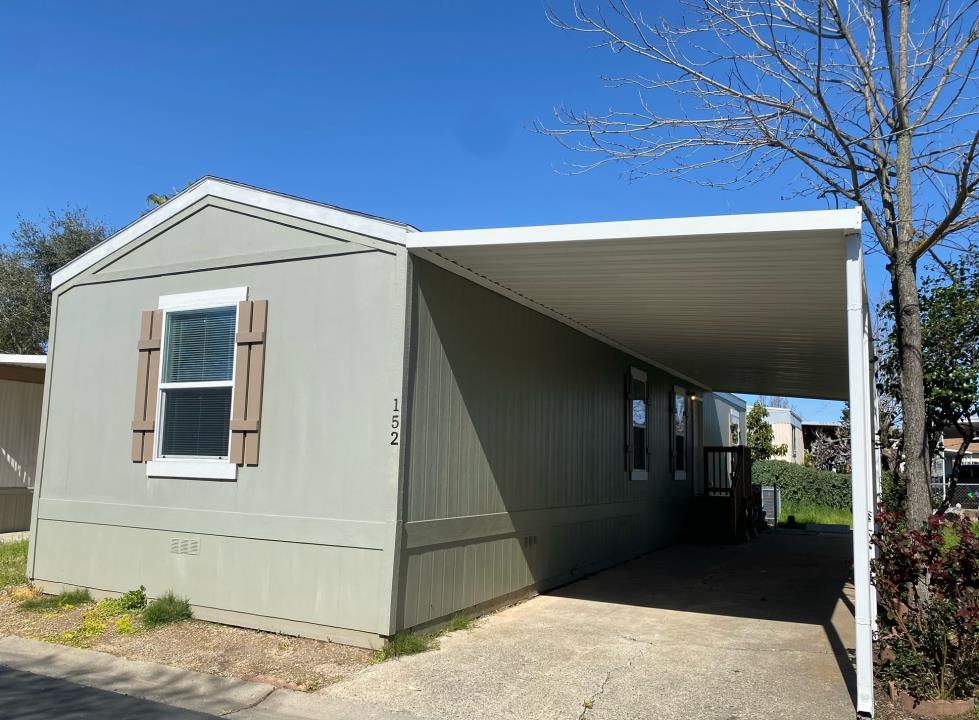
x: 340, y: 587
x: 441, y: 580
x: 343, y: 636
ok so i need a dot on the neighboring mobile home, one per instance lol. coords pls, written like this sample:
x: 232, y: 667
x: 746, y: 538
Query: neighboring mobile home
x: 318, y: 422
x: 21, y: 389
x: 787, y: 427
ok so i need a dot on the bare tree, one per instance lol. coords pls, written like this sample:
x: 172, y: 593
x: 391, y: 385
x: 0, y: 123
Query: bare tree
x: 776, y: 401
x: 875, y: 100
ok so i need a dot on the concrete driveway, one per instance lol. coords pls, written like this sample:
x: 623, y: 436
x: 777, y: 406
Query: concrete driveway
x: 763, y: 630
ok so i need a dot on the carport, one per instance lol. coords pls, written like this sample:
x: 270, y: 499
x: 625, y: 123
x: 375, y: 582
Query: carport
x: 772, y: 303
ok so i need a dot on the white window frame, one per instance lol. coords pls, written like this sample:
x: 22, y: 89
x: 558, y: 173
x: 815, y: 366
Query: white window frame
x: 641, y: 376
x: 678, y: 393
x: 201, y: 468
x: 733, y: 415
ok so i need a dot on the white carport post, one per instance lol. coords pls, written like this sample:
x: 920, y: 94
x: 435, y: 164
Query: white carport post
x: 863, y: 459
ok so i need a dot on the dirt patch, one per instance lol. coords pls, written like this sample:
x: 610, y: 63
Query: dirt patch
x: 196, y: 645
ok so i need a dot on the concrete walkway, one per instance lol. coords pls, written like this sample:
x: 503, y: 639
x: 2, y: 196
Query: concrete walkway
x: 763, y: 630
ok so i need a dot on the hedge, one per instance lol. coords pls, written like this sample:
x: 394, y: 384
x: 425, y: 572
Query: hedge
x: 801, y: 484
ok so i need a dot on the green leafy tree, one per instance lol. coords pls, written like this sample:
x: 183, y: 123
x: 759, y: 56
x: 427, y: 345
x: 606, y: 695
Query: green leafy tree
x: 949, y: 302
x: 761, y: 437
x: 36, y: 250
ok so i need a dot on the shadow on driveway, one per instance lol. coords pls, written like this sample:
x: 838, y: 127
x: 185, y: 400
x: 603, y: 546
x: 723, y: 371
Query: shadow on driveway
x: 783, y: 576
x: 27, y: 696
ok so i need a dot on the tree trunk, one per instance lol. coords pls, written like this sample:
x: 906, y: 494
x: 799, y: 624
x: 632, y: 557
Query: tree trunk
x: 908, y: 317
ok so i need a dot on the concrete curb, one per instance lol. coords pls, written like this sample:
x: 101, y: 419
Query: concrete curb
x: 182, y: 688
x: 187, y: 689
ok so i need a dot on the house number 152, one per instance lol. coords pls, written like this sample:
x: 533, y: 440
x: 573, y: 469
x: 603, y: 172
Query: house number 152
x: 395, y: 423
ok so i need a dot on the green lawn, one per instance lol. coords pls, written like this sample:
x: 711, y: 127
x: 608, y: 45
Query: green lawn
x: 806, y: 514
x: 13, y: 563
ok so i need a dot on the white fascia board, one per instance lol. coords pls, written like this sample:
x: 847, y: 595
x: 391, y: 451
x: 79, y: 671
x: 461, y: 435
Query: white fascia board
x: 38, y: 361
x: 234, y: 192
x: 844, y: 222
x: 731, y: 399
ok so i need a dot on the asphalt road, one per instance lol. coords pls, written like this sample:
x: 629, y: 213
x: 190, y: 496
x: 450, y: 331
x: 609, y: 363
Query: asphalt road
x: 27, y: 696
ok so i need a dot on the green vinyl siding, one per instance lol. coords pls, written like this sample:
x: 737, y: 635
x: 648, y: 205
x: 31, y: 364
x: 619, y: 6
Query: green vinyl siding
x: 516, y: 473
x: 307, y: 535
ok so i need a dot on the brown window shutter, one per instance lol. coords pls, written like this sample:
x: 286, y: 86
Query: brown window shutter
x: 246, y: 413
x: 147, y: 381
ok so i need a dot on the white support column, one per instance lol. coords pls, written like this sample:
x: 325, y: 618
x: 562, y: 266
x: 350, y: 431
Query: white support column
x: 873, y: 445
x: 863, y: 460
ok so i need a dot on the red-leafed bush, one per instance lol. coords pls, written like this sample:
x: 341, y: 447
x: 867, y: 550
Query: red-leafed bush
x: 927, y: 584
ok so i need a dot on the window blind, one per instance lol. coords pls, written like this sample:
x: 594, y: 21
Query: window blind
x: 199, y: 345
x: 196, y: 422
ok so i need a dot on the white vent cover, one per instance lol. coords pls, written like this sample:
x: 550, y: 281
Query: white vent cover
x: 185, y: 545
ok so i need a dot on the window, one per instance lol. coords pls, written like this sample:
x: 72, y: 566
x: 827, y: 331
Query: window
x: 679, y: 433
x: 637, y: 442
x: 735, y: 424
x: 195, y: 388
x: 196, y: 383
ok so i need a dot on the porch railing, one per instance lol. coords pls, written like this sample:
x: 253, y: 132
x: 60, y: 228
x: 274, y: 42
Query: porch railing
x: 727, y: 473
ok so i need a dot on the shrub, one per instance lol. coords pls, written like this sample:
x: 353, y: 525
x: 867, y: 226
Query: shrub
x: 133, y: 599
x: 804, y: 485
x: 166, y: 609
x: 63, y: 601
x: 894, y: 491
x: 927, y: 584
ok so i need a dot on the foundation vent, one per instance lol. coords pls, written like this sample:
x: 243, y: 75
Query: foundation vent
x: 185, y: 546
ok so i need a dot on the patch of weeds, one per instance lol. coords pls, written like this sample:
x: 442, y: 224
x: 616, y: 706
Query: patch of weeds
x: 125, y: 626
x: 92, y: 626
x: 20, y: 593
x: 13, y: 563
x: 166, y: 609
x: 63, y: 601
x: 404, y: 644
x: 459, y: 621
x: 107, y: 608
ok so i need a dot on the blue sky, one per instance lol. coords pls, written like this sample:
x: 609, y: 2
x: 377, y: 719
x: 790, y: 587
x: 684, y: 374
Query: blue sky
x: 419, y: 112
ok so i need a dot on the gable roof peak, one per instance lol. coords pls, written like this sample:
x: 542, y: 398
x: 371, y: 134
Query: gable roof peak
x: 210, y: 186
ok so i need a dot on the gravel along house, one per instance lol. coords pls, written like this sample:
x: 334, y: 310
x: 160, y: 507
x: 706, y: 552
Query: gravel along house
x: 323, y: 423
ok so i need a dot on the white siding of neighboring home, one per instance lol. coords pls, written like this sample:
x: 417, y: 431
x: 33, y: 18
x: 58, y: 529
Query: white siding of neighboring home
x: 20, y: 418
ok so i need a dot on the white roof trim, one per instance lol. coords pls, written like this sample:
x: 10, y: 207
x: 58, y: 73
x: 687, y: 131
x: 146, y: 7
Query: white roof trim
x: 235, y: 192
x: 730, y: 399
x: 848, y: 221
x: 38, y: 361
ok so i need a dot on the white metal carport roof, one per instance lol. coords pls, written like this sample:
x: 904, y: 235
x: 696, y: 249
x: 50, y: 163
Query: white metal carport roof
x: 749, y: 303
x: 773, y: 304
